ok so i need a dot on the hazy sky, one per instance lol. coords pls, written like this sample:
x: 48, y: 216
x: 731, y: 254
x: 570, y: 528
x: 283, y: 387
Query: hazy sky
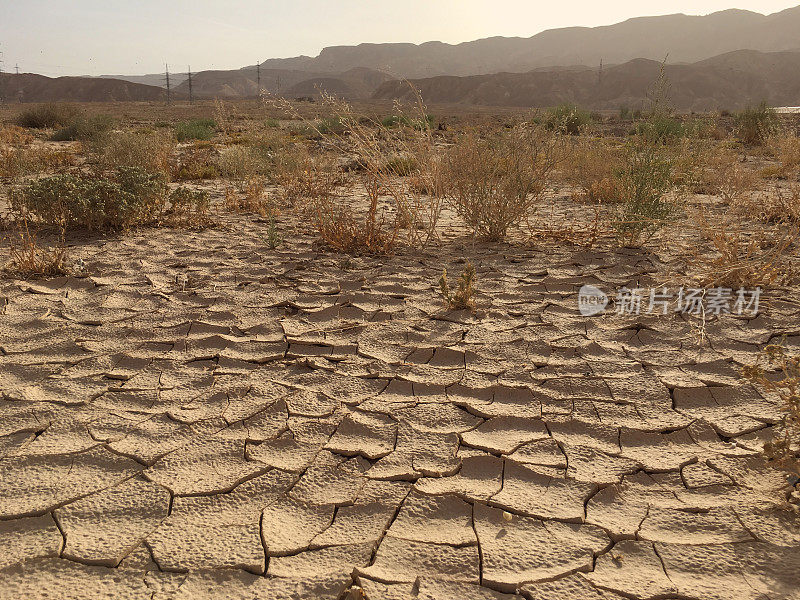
x: 93, y: 37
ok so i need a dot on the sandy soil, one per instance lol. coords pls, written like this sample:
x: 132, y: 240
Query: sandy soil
x: 201, y: 417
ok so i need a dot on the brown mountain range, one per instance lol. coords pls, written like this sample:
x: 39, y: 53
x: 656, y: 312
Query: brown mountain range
x: 683, y: 38
x: 28, y: 87
x: 355, y: 83
x: 729, y: 81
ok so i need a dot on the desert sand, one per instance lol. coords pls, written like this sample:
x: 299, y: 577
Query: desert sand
x: 197, y: 416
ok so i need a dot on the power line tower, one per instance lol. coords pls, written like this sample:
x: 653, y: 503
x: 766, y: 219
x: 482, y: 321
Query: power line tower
x: 191, y: 96
x: 17, y: 68
x: 169, y: 95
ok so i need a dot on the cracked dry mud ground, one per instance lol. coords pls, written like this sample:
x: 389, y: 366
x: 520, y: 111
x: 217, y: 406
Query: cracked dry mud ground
x: 276, y: 426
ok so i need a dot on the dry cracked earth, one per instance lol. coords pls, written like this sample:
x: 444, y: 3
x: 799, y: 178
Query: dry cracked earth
x: 200, y: 417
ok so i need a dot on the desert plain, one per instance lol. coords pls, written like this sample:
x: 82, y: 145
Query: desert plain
x: 231, y: 406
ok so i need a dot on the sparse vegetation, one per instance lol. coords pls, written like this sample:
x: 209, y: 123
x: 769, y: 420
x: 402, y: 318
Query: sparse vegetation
x: 756, y: 124
x: 48, y: 116
x: 197, y: 129
x: 568, y: 118
x: 150, y: 150
x: 84, y: 129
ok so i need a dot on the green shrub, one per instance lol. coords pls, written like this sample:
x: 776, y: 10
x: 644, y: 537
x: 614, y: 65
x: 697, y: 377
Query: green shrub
x: 660, y: 128
x: 197, y: 129
x: 83, y: 129
x: 48, y: 116
x: 755, y: 124
x: 567, y: 118
x: 135, y: 197
x: 463, y: 296
x: 147, y: 186
x: 272, y: 123
x: 273, y: 235
x: 643, y: 183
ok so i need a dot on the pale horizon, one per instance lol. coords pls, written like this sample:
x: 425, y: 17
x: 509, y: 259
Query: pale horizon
x: 94, y: 38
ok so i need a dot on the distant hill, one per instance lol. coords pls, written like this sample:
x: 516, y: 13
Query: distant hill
x: 683, y: 38
x: 729, y: 81
x: 28, y: 87
x: 155, y: 79
x: 355, y: 83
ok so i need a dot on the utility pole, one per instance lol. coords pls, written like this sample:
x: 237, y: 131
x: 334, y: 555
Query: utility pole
x: 191, y: 97
x: 258, y: 74
x: 168, y: 88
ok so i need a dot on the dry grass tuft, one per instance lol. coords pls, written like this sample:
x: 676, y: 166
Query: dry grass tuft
x: 463, y: 297
x: 781, y: 377
x: 592, y: 168
x: 253, y: 198
x: 150, y: 150
x: 734, y: 255
x: 28, y: 259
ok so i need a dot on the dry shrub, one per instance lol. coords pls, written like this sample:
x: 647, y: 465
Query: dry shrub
x: 781, y: 377
x: 787, y: 150
x: 242, y: 163
x: 22, y: 161
x: 372, y: 145
x: 740, y: 255
x: 303, y: 176
x: 223, y: 117
x: 591, y: 169
x: 724, y: 174
x: 15, y: 136
x: 27, y: 258
x: 196, y: 163
x: 571, y: 226
x: 780, y: 205
x: 340, y: 229
x: 150, y: 150
x: 252, y: 198
x: 48, y: 116
x: 493, y: 183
